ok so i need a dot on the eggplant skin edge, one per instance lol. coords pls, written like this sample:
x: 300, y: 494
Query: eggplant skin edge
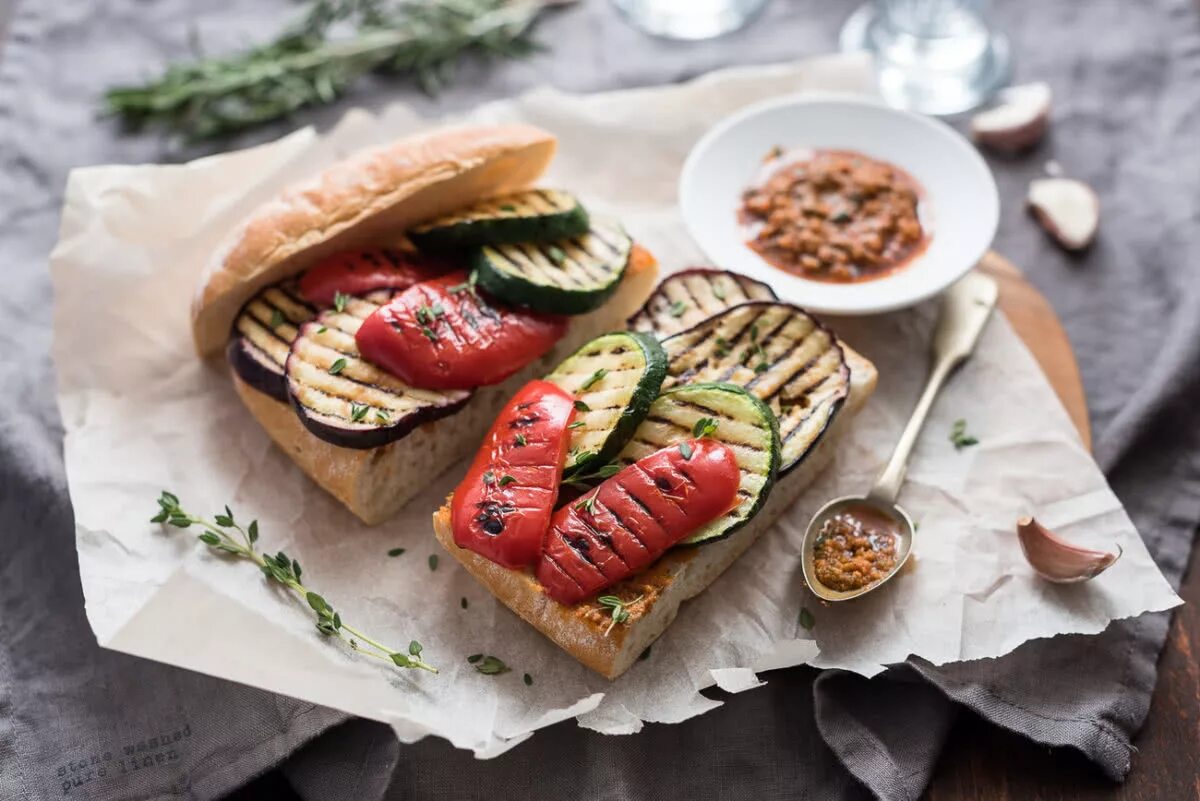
x: 367, y: 439
x: 252, y: 372
x: 644, y: 309
x: 836, y: 405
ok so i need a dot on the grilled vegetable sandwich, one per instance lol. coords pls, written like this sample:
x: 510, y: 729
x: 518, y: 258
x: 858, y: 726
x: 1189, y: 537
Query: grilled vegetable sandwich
x: 626, y: 479
x: 377, y: 317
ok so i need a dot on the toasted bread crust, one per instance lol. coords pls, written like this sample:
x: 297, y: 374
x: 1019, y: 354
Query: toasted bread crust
x: 372, y: 195
x: 371, y: 483
x: 582, y: 630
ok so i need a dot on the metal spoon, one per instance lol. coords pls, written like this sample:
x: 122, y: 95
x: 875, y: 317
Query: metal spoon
x: 964, y: 311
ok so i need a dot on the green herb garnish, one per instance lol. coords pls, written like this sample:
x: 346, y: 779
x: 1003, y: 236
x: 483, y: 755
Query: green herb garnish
x: 678, y: 308
x: 489, y: 665
x: 338, y: 365
x: 593, y: 379
x: 521, y: 441
x: 704, y: 427
x: 429, y: 334
x: 358, y: 412
x: 586, y: 504
x: 322, y: 329
x: 620, y: 614
x: 396, y: 552
x: 276, y: 318
x: 463, y: 602
x: 507, y: 207
x: 685, y: 449
x: 556, y: 254
x: 960, y: 437
x: 433, y: 560
x: 580, y: 406
x: 719, y: 291
x: 224, y: 535
x: 382, y: 416
x: 505, y: 480
x: 577, y: 424
x: 339, y: 301
x: 807, y: 621
x: 528, y: 680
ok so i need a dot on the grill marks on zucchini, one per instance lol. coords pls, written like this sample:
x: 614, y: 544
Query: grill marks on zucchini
x: 777, y: 352
x: 350, y: 402
x: 744, y: 424
x: 691, y: 296
x: 263, y: 333
x: 535, y: 215
x: 567, y: 276
x: 615, y: 377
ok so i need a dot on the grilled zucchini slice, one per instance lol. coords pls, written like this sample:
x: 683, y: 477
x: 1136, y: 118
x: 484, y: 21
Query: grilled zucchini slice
x: 567, y: 276
x: 743, y: 422
x: 777, y: 352
x: 535, y: 215
x: 350, y: 402
x: 614, y: 379
x: 263, y: 334
x: 691, y: 296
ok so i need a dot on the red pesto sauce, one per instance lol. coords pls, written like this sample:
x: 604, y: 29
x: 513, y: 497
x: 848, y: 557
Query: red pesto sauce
x: 833, y: 215
x: 856, y: 548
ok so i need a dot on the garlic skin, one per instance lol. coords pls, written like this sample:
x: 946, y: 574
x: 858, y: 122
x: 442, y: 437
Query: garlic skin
x: 1068, y: 209
x: 1057, y: 560
x: 1017, y: 122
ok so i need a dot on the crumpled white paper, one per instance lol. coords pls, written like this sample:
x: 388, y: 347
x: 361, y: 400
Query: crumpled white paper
x: 142, y: 414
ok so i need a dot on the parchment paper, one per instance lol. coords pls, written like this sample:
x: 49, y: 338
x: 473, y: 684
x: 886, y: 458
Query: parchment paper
x: 142, y: 414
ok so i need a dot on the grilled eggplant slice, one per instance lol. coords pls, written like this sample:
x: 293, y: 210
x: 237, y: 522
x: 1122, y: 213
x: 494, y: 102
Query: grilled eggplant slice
x: 614, y: 379
x: 777, y: 352
x: 350, y: 402
x: 742, y: 422
x: 567, y: 276
x: 691, y: 296
x: 262, y: 335
x: 535, y: 215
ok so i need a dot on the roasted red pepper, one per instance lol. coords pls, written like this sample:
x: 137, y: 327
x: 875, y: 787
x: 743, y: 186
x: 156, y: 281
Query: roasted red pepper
x: 630, y: 520
x: 442, y: 334
x: 502, y: 509
x: 357, y: 272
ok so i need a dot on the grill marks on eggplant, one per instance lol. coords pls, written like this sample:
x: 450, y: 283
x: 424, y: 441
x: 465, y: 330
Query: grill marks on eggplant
x: 777, y: 352
x: 568, y: 276
x: 691, y: 296
x: 744, y: 424
x: 350, y: 402
x: 616, y: 377
x: 263, y: 333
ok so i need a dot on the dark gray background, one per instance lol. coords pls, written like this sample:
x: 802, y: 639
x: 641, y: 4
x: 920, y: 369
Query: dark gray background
x: 85, y: 723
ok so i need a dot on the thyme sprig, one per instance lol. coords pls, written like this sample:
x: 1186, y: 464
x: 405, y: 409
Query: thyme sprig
x: 619, y: 612
x: 225, y: 535
x: 319, y: 59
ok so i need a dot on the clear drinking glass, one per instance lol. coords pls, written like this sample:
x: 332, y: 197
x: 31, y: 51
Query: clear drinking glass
x: 689, y: 19
x: 933, y: 56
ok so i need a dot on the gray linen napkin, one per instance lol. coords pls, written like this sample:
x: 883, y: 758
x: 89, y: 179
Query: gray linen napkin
x: 86, y: 723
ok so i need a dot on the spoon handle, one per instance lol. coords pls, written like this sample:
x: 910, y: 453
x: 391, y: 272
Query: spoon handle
x: 965, y: 309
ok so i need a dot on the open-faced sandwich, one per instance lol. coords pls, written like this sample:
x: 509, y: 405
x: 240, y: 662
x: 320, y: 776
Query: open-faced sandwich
x: 625, y: 480
x: 377, y: 317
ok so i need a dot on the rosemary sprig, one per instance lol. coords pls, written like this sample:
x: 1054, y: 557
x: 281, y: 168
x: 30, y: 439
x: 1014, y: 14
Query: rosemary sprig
x: 226, y: 535
x: 315, y: 61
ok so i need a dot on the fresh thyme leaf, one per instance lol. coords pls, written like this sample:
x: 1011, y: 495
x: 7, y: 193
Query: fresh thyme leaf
x: 528, y: 680
x: 491, y: 666
x: 593, y: 379
x: 322, y: 329
x: 685, y: 448
x: 761, y: 367
x: 224, y: 534
x: 754, y: 332
x: 583, y: 456
x: 580, y: 406
x: 704, y: 427
x: 276, y: 318
x: 316, y: 61
x: 463, y: 602
x: 807, y: 621
x: 577, y: 424
x: 382, y: 415
x: 339, y: 301
x: 960, y: 437
x: 507, y: 207
x: 358, y: 412
x: 338, y: 365
x: 433, y: 560
x: 396, y: 551
x: 556, y: 254
x: 619, y: 612
x: 586, y: 504
x: 505, y: 480
x: 719, y: 291
x: 414, y: 648
x: 521, y: 441
x: 429, y: 334
x: 678, y: 308
x: 473, y: 658
x: 608, y: 470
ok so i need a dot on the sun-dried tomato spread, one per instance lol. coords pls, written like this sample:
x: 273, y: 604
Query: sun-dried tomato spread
x: 854, y: 549
x: 833, y: 215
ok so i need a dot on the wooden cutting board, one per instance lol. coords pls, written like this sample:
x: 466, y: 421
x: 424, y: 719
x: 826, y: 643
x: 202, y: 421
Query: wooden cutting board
x: 1035, y: 322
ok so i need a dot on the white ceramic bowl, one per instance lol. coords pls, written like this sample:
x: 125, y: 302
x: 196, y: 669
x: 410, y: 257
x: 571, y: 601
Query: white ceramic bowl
x: 960, y: 202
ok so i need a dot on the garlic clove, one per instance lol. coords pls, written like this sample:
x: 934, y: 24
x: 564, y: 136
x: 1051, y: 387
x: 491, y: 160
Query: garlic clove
x: 1068, y: 209
x: 1018, y: 122
x: 1057, y: 560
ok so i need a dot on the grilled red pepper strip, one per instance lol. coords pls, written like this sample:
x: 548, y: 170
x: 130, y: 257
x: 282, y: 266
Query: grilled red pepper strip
x: 630, y: 520
x: 502, y: 509
x: 440, y: 334
x: 357, y: 272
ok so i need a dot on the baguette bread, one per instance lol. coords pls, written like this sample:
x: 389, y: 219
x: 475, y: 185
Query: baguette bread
x: 364, y: 199
x: 375, y: 484
x: 682, y: 573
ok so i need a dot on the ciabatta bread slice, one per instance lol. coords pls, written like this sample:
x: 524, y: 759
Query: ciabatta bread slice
x: 375, y: 484
x: 580, y: 630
